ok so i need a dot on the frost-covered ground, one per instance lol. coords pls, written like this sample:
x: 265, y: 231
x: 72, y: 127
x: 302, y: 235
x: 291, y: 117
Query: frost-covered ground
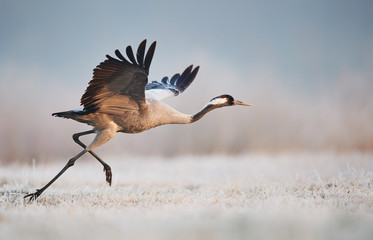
x: 294, y: 196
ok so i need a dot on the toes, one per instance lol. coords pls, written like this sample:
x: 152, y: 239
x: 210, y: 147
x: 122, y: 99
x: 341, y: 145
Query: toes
x: 33, y: 196
x: 108, y: 176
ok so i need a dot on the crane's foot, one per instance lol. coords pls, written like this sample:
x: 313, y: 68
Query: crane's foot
x: 33, y: 196
x: 107, y: 171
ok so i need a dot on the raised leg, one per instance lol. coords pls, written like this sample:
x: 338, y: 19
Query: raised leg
x: 107, y: 168
x: 35, y: 195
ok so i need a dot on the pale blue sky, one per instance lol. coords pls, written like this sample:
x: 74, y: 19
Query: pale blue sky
x: 302, y: 41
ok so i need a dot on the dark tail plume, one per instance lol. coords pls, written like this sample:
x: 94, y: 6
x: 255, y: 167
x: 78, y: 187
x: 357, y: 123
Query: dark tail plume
x: 68, y: 114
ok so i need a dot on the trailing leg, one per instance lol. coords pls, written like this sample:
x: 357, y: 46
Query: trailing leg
x: 35, y: 195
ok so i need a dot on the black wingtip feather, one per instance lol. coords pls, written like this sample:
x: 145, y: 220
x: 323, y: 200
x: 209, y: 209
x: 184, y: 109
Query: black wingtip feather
x: 187, y: 77
x: 130, y: 55
x: 111, y: 59
x: 183, y: 79
x: 174, y: 78
x: 194, y: 73
x: 119, y: 55
x: 164, y: 80
x: 140, y: 53
x: 149, y: 56
x: 141, y: 59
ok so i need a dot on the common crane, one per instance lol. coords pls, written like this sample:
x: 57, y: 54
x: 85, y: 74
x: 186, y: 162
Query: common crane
x: 120, y: 99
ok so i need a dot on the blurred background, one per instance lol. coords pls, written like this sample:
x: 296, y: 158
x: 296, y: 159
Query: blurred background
x: 306, y: 66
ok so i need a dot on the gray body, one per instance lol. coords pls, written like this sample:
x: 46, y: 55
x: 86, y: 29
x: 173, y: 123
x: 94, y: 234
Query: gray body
x: 155, y: 114
x: 106, y: 125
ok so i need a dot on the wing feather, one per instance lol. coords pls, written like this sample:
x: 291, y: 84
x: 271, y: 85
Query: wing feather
x: 120, y: 56
x: 118, y: 85
x: 149, y: 56
x: 168, y: 88
x: 174, y: 78
x: 165, y: 80
x: 140, y: 53
x: 130, y: 54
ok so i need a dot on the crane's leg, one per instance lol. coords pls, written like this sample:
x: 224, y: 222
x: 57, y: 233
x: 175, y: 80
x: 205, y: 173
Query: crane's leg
x: 35, y: 195
x: 102, y: 137
x: 107, y: 168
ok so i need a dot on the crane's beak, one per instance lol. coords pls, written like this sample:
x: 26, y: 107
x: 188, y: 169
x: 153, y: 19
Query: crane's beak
x: 236, y: 102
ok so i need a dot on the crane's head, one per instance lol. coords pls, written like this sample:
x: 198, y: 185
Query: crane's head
x: 226, y: 100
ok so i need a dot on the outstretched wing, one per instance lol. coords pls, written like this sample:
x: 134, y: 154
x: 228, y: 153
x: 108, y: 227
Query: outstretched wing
x: 118, y: 85
x: 171, y: 87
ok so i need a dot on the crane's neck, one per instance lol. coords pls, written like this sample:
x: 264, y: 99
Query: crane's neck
x: 181, y: 118
x: 161, y: 114
x: 200, y: 114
